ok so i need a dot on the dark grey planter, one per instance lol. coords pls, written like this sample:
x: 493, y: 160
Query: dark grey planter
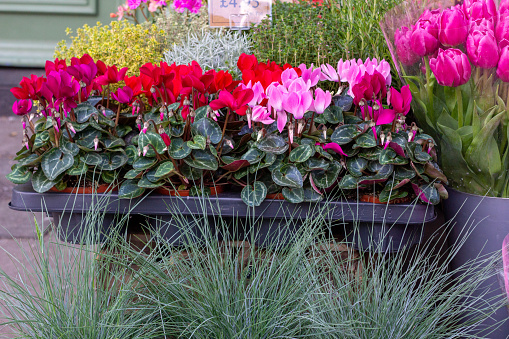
x: 487, y: 219
x: 394, y: 226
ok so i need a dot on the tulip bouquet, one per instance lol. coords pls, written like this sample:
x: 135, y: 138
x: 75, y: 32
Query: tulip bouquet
x: 73, y: 138
x: 455, y: 60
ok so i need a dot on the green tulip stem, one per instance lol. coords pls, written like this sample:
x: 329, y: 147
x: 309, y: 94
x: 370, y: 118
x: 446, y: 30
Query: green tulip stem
x: 428, y: 87
x: 459, y: 100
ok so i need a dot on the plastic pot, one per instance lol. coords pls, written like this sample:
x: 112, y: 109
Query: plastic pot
x: 487, y: 221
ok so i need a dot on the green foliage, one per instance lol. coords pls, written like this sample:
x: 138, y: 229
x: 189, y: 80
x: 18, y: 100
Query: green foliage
x: 121, y: 43
x: 217, y: 50
x: 302, y: 33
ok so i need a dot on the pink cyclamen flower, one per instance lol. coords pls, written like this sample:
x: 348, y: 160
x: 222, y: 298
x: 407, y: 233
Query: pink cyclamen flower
x: 503, y: 64
x: 380, y: 116
x: 329, y: 73
x: 335, y: 147
x: 298, y: 103
x: 22, y: 107
x: 261, y: 114
x: 424, y: 39
x: 403, y: 49
x: 321, y: 102
x: 453, y: 27
x: 310, y: 75
x: 369, y: 87
x: 288, y: 76
x: 482, y: 48
x: 133, y: 4
x: 258, y: 93
x: 451, y: 67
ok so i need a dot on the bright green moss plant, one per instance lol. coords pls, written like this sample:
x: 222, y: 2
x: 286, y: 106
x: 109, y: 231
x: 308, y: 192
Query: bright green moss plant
x: 121, y: 43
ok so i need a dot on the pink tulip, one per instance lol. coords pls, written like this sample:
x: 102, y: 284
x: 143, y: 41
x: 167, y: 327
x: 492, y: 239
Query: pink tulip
x: 453, y: 27
x: 403, y: 49
x: 401, y: 101
x: 478, y: 9
x: 261, y: 114
x: 503, y: 64
x: 451, y: 67
x: 309, y: 75
x: 503, y: 7
x: 424, y: 39
x: 502, y: 30
x: 22, y: 107
x: 321, y: 102
x: 298, y: 103
x: 482, y: 48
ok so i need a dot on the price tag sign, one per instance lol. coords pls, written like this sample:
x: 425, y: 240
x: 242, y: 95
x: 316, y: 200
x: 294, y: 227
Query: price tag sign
x: 238, y: 14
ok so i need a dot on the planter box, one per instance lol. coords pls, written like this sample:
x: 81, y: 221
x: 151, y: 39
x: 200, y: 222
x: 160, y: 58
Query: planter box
x: 392, y: 225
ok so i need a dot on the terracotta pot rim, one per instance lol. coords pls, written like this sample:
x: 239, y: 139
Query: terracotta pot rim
x: 102, y: 188
x: 214, y: 190
x: 375, y: 200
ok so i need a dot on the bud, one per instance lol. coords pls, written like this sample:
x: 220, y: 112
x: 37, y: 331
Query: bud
x: 324, y: 131
x: 152, y: 89
x: 161, y: 130
x: 25, y: 142
x: 228, y: 142
x: 376, y: 106
x: 382, y: 137
x: 145, y: 150
x: 23, y: 122
x: 192, y: 112
x: 103, y: 111
x: 71, y: 127
x: 170, y: 113
x: 96, y: 143
x: 56, y: 115
x: 145, y: 127
x: 186, y: 102
x: 410, y: 136
x: 82, y: 84
x: 300, y: 126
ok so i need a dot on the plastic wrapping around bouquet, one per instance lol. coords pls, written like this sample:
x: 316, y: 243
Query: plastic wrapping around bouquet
x: 393, y: 226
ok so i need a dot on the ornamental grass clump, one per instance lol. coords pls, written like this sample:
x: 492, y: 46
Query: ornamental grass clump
x: 454, y: 59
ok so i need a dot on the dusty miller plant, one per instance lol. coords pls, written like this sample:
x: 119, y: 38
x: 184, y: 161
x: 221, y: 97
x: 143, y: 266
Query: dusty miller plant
x: 217, y: 50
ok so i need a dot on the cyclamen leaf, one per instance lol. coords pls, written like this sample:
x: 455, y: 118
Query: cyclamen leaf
x: 293, y: 195
x: 19, y: 175
x: 41, y: 183
x: 209, y: 129
x: 130, y: 189
x: 253, y: 195
x: 287, y: 175
x: 55, y: 162
x: 273, y: 143
x: 302, y: 153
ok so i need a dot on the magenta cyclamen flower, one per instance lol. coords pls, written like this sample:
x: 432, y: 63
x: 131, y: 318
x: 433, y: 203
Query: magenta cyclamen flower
x: 451, y: 67
x: 123, y: 95
x: 310, y: 75
x: 403, y: 49
x: 192, y: 6
x: 22, y: 107
x: 61, y: 87
x: 453, y: 27
x: 400, y: 101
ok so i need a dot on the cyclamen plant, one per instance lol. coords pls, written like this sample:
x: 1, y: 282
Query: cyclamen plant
x: 455, y: 60
x: 129, y: 9
x: 73, y: 137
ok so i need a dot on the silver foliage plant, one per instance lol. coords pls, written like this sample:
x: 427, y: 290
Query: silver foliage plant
x: 217, y: 50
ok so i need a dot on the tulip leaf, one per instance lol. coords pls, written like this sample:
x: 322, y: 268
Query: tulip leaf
x: 287, y: 175
x: 483, y: 153
x: 293, y: 195
x: 69, y: 147
x: 178, y: 149
x: 164, y: 169
x: 202, y: 160
x: 344, y: 134
x: 198, y: 142
x: 79, y: 168
x: 132, y: 174
x: 113, y: 161
x: 154, y: 139
x: 41, y: 139
x: 301, y: 153
x: 55, y: 162
x: 41, y: 183
x: 209, y: 129
x: 273, y: 143
x: 19, y: 175
x: 254, y: 195
x: 253, y: 156
x: 84, y: 111
x: 333, y: 114
x: 130, y: 189
x: 348, y: 182
x: 365, y: 140
x: 326, y: 178
x: 356, y: 166
x: 93, y: 159
x: 144, y: 163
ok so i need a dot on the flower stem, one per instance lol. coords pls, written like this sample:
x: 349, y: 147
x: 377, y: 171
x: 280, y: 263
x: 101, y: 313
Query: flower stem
x: 312, y: 122
x: 459, y: 100
x: 429, y: 89
x: 220, y: 145
x: 118, y: 115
